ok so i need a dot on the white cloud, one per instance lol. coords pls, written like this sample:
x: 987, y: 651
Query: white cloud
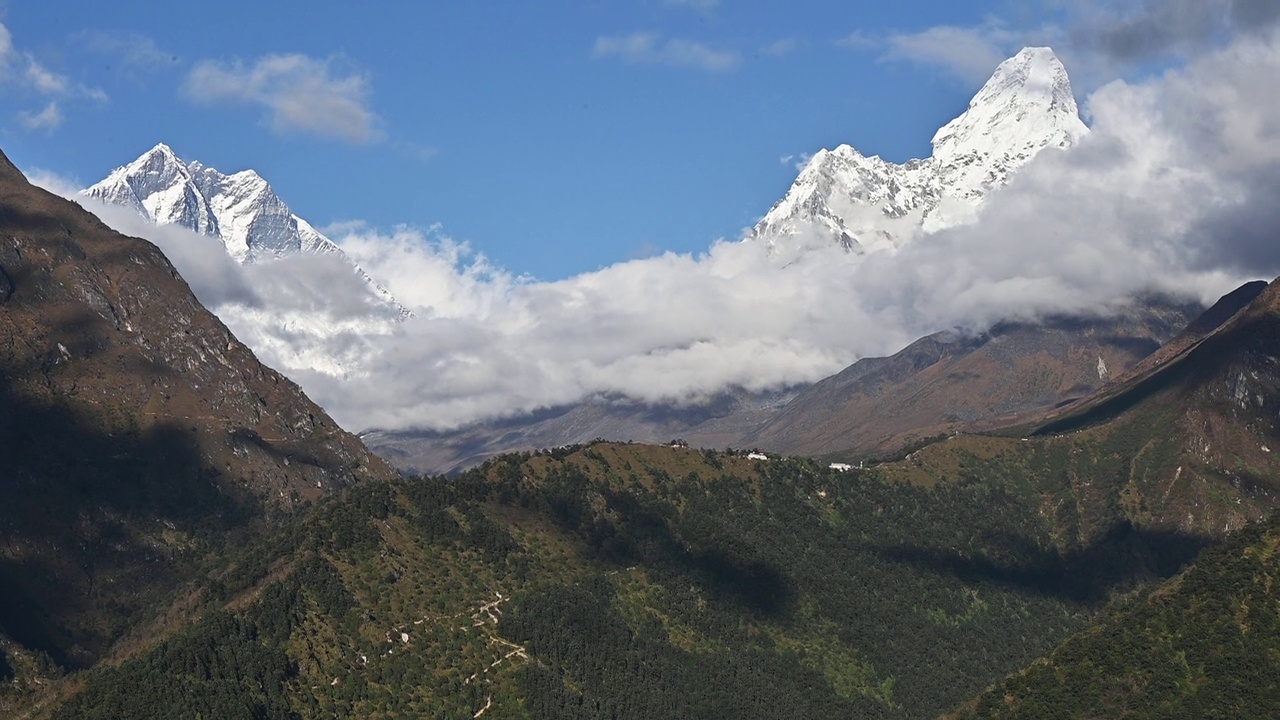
x: 1173, y: 191
x: 698, y: 5
x: 780, y: 48
x: 8, y: 55
x: 416, y: 151
x: 46, y: 120
x: 53, y: 182
x: 859, y: 40
x: 643, y: 48
x: 300, y: 93
x: 136, y: 54
x: 44, y: 81
x: 29, y: 74
x: 970, y: 53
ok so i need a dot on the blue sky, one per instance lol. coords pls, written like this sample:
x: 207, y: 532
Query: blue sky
x: 554, y: 137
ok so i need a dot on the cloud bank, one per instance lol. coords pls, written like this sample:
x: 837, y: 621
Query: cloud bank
x: 1173, y: 191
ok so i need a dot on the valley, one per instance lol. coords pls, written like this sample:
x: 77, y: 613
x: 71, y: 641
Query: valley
x: 1050, y: 498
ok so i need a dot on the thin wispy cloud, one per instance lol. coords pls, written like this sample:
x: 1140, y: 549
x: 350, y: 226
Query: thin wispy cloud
x: 8, y: 55
x: 698, y: 5
x: 44, y: 81
x: 46, y: 120
x: 299, y: 93
x: 969, y: 53
x: 136, y: 55
x: 780, y: 48
x: 38, y: 81
x: 859, y: 40
x: 415, y: 151
x: 645, y: 48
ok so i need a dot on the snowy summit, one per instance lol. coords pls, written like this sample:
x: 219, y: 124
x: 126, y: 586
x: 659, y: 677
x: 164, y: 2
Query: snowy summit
x: 865, y: 204
x: 240, y: 209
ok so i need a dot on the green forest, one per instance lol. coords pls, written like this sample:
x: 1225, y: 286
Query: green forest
x: 1205, y: 645
x: 633, y: 581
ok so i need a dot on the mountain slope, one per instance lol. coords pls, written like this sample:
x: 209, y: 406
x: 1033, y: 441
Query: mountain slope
x: 620, y: 581
x: 941, y: 383
x: 641, y: 581
x: 866, y: 204
x: 722, y: 422
x: 138, y: 433
x: 946, y: 382
x: 1182, y: 446
x: 1200, y: 645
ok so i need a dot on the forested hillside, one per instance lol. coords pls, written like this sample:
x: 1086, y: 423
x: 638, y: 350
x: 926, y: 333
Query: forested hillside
x: 1201, y: 645
x: 633, y: 581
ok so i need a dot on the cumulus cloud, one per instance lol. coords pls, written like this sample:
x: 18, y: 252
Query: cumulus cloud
x: 299, y: 93
x: 1172, y: 192
x: 642, y: 48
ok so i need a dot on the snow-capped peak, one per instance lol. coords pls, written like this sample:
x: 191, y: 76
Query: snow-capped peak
x: 1025, y: 107
x: 240, y: 209
x: 865, y: 204
x: 159, y: 186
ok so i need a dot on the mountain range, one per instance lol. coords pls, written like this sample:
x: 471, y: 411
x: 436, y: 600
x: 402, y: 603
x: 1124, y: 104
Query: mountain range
x: 942, y: 383
x: 257, y: 229
x: 240, y: 209
x: 1073, y: 523
x: 639, y: 581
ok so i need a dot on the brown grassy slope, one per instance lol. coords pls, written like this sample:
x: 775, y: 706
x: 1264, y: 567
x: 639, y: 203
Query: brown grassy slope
x: 947, y: 382
x: 1191, y: 445
x: 137, y: 433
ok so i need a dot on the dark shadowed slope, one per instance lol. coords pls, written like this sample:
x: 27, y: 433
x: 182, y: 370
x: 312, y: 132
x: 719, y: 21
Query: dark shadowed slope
x: 138, y: 435
x: 1200, y: 645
